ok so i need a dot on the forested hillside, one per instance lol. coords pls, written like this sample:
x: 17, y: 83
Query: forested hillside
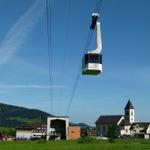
x: 12, y: 116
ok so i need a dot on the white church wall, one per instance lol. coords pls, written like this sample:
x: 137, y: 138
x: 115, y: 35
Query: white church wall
x: 132, y: 116
x: 148, y: 130
x: 126, y: 130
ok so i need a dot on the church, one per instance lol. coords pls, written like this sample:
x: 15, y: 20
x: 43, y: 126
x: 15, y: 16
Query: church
x: 125, y: 124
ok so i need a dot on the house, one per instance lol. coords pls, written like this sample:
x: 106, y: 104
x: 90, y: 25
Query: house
x: 39, y: 129
x: 34, y: 131
x: 125, y: 124
x: 24, y: 133
x: 140, y: 130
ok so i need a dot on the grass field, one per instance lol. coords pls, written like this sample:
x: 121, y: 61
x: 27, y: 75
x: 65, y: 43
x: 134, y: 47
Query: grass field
x: 75, y: 145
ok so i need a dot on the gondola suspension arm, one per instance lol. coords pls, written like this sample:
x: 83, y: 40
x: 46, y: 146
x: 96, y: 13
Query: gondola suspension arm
x: 98, y: 33
x: 92, y: 60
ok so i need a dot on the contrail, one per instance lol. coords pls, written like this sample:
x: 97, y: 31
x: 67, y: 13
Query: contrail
x: 18, y: 34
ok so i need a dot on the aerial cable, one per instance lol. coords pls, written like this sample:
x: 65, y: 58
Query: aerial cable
x: 66, y: 41
x: 88, y: 41
x: 50, y: 52
x: 67, y: 32
x: 89, y: 38
x: 78, y: 73
x: 98, y: 6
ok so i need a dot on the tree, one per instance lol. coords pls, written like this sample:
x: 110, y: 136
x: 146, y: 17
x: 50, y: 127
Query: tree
x: 112, y: 130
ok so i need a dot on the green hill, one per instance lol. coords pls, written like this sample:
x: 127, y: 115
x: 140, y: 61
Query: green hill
x: 12, y: 116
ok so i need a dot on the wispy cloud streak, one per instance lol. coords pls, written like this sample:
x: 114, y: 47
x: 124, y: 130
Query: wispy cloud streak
x: 18, y: 34
x: 31, y: 86
x: 2, y: 92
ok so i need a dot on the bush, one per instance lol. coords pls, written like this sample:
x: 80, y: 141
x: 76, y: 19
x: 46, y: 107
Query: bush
x: 111, y: 140
x: 42, y: 141
x: 86, y: 140
x: 8, y: 131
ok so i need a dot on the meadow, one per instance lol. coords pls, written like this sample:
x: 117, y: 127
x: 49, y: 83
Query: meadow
x: 76, y: 145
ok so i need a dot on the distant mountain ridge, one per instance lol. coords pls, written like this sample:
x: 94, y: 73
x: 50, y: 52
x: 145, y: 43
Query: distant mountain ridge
x: 81, y: 125
x: 12, y: 116
x: 84, y: 125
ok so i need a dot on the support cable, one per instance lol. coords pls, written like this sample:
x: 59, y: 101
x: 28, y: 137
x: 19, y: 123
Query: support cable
x: 78, y: 73
x: 98, y: 6
x: 88, y: 41
x: 66, y: 41
x: 67, y: 33
x: 50, y: 52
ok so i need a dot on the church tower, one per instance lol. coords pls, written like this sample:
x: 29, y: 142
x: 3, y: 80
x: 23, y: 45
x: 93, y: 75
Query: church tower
x: 129, y: 113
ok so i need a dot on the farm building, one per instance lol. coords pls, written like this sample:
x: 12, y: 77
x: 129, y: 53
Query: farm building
x: 56, y: 128
x: 34, y: 131
x: 125, y: 124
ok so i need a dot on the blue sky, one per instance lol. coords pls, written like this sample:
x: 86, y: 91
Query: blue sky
x: 24, y: 78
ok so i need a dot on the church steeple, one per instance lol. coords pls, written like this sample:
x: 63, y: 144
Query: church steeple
x: 129, y: 105
x: 129, y: 112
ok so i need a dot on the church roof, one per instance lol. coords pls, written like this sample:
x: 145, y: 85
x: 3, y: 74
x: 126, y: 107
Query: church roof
x: 109, y: 119
x: 129, y: 105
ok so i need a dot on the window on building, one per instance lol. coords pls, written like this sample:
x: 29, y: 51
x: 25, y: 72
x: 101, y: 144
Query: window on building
x: 126, y: 130
x: 131, y: 113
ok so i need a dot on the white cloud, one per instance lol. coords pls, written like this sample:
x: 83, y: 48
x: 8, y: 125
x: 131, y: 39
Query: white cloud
x: 18, y: 34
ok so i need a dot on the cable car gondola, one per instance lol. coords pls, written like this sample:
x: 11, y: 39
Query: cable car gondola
x: 92, y: 64
x: 92, y: 60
